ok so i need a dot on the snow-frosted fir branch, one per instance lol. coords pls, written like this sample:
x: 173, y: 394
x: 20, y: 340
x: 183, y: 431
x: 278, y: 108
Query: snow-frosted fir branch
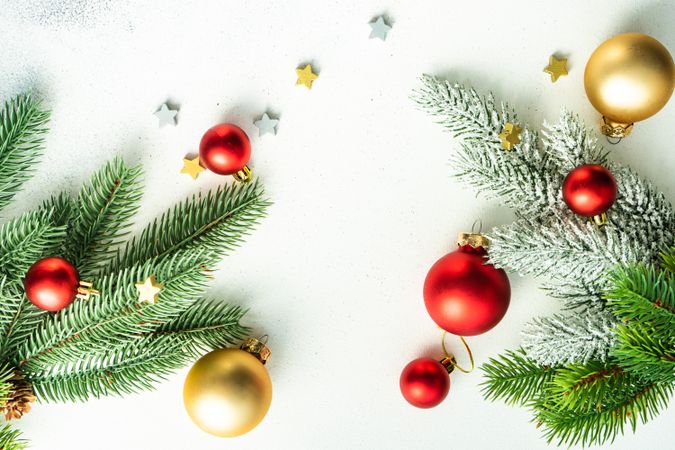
x: 521, y: 177
x: 563, y: 247
x: 572, y: 338
x: 569, y: 143
x: 548, y: 240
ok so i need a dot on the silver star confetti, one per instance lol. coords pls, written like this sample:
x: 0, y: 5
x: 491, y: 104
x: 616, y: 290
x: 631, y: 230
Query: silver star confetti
x: 379, y: 28
x: 166, y: 116
x: 266, y: 125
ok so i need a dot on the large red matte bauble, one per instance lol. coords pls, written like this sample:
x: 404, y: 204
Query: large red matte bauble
x: 464, y: 295
x: 225, y: 149
x: 425, y: 382
x: 589, y: 190
x: 51, y: 283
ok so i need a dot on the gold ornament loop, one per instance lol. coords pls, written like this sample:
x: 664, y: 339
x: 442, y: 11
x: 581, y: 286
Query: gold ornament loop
x: 480, y: 226
x: 450, y: 360
x: 243, y: 175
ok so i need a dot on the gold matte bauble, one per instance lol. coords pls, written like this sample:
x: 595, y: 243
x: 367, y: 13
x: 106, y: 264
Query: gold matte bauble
x: 629, y: 78
x: 227, y: 392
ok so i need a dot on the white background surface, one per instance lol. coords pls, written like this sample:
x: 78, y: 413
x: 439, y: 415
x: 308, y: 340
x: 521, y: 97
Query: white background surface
x: 364, y: 200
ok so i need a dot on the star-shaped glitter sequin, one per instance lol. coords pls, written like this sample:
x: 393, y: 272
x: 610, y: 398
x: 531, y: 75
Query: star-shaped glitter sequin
x: 510, y: 136
x: 166, y: 116
x: 556, y: 68
x: 305, y: 76
x: 379, y: 28
x: 192, y: 167
x: 148, y: 290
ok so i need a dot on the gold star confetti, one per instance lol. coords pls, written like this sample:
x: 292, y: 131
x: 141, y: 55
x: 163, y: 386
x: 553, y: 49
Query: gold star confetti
x: 510, y: 136
x: 148, y: 290
x: 192, y: 167
x: 556, y: 68
x: 305, y: 76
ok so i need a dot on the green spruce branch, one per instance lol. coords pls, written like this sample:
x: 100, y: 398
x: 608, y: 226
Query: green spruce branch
x: 514, y: 378
x: 23, y: 125
x: 10, y: 438
x: 110, y: 344
x: 105, y: 208
x: 218, y: 220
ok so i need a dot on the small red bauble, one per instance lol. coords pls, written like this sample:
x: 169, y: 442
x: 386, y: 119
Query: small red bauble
x: 51, y: 283
x: 464, y: 295
x: 424, y: 382
x: 589, y: 190
x: 225, y: 149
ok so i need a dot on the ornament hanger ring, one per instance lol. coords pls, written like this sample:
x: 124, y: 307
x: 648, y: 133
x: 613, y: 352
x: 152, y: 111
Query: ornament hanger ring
x: 452, y: 358
x: 478, y: 222
x: 618, y: 139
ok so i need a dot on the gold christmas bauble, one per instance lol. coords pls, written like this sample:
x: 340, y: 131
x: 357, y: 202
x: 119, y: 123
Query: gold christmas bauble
x: 629, y: 78
x: 228, y: 392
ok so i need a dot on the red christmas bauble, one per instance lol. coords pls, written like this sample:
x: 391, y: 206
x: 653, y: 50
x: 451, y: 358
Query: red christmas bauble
x: 589, y: 190
x: 51, y: 283
x: 225, y: 149
x: 424, y: 382
x: 464, y: 295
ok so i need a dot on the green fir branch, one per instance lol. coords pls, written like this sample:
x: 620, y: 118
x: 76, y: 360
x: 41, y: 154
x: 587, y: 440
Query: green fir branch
x: 643, y: 294
x: 105, y: 206
x: 514, y: 378
x: 583, y: 387
x: 10, y: 438
x: 140, y: 364
x: 218, y: 221
x: 668, y: 261
x: 209, y: 323
x: 26, y: 239
x: 637, y: 402
x: 646, y: 352
x: 6, y: 374
x: 116, y: 317
x: 23, y: 125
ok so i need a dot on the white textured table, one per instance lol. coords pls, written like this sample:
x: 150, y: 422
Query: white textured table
x: 364, y: 201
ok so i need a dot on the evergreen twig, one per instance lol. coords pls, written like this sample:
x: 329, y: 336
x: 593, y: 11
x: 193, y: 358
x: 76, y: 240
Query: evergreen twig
x: 23, y: 125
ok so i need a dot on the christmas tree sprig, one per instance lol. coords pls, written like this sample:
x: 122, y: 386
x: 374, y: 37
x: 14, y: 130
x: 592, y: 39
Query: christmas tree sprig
x: 547, y: 240
x: 23, y: 125
x: 114, y: 343
x: 609, y: 363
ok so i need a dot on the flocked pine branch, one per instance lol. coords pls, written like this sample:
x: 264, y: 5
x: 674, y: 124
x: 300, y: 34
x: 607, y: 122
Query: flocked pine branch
x: 519, y: 177
x: 591, y: 372
x: 569, y: 338
x: 23, y: 125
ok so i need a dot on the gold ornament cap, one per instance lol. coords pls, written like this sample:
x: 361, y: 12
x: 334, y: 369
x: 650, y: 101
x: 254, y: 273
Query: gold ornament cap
x: 257, y: 348
x: 613, y: 129
x: 244, y: 175
x: 475, y: 240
